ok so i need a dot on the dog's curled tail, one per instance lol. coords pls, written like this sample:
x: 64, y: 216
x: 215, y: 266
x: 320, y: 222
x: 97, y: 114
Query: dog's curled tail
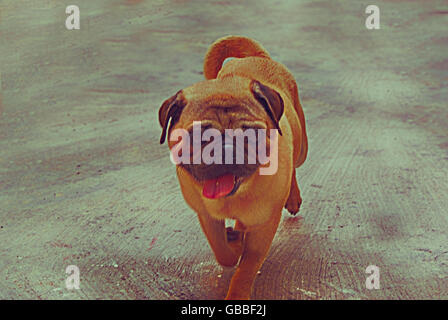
x: 230, y: 46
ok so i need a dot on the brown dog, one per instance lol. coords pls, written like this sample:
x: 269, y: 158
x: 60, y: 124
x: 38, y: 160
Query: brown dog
x: 251, y: 91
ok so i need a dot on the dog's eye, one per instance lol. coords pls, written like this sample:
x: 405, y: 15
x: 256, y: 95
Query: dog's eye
x: 206, y: 126
x: 253, y: 126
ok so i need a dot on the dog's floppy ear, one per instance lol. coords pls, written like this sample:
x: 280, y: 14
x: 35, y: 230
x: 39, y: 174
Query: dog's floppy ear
x: 170, y: 110
x: 271, y: 101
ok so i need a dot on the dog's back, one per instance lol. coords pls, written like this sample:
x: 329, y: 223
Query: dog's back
x: 255, y: 63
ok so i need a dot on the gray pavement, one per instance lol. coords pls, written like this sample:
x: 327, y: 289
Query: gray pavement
x: 84, y: 181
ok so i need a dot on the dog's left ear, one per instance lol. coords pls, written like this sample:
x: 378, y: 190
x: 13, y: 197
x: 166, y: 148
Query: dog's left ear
x: 170, y: 110
x: 271, y: 101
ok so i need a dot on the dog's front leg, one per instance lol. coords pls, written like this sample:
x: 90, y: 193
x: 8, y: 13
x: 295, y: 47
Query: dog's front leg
x: 216, y: 234
x: 256, y: 247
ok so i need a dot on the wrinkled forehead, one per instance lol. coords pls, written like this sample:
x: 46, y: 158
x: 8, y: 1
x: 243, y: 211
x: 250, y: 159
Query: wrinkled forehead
x: 215, y: 97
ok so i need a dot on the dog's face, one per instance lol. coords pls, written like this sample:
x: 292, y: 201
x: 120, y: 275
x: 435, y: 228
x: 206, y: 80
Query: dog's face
x: 217, y: 112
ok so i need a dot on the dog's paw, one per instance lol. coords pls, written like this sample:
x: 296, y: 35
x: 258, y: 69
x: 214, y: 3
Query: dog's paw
x: 237, y: 296
x: 293, y: 204
x: 232, y: 235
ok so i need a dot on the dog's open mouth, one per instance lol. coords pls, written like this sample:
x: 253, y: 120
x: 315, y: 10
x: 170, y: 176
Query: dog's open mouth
x: 222, y: 186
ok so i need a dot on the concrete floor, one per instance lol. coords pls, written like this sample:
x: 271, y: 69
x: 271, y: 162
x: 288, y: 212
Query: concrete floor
x: 84, y: 181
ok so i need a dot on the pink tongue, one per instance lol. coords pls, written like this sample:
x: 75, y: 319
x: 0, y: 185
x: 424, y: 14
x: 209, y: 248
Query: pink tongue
x: 218, y: 187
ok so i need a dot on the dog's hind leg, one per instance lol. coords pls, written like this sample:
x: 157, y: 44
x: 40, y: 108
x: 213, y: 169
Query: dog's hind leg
x: 294, y: 200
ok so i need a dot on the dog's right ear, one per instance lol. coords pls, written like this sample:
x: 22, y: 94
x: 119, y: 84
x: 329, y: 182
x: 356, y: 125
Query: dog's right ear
x: 170, y: 110
x: 271, y: 101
